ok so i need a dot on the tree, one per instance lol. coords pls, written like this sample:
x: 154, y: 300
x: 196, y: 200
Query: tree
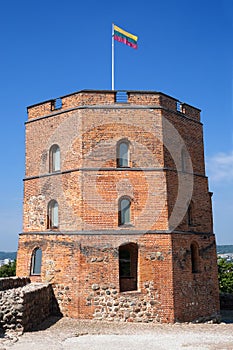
x: 8, y: 270
x: 225, y: 276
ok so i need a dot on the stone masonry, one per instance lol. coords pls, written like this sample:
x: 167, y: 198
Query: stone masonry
x: 23, y: 305
x: 159, y: 264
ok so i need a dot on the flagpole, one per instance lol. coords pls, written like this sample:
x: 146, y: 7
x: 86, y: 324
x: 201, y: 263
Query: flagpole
x: 112, y: 56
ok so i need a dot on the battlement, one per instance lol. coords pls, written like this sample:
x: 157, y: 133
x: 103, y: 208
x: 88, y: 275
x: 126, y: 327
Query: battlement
x: 131, y: 98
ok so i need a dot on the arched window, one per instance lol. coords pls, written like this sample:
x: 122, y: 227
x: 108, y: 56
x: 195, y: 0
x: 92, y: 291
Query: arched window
x: 52, y: 214
x: 54, y: 158
x: 128, y: 267
x: 194, y: 257
x: 123, y: 154
x: 124, y: 210
x: 190, y: 214
x: 36, y: 262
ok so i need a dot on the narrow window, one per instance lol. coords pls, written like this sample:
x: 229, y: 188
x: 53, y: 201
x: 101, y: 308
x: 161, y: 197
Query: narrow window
x: 36, y: 262
x: 123, y: 154
x: 194, y: 257
x: 54, y: 159
x: 128, y: 267
x: 52, y: 214
x: 124, y: 211
x: 190, y: 214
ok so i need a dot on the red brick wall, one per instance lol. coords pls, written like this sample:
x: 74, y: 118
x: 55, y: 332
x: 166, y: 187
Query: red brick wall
x: 74, y: 264
x: 195, y: 188
x: 195, y: 294
x: 80, y: 258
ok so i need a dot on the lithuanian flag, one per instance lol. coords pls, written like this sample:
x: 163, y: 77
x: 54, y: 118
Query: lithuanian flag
x: 125, y: 37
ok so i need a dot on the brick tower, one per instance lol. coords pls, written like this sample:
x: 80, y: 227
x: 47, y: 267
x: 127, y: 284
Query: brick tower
x: 117, y: 210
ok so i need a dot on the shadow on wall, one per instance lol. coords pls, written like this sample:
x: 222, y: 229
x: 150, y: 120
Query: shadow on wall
x: 48, y: 316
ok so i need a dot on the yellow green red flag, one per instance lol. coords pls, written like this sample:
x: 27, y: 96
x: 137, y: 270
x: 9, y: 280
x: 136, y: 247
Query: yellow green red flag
x: 124, y: 37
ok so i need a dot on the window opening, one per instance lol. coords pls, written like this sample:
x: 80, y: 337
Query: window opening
x: 123, y: 154
x: 56, y: 104
x: 36, y: 262
x: 128, y: 267
x: 190, y: 214
x: 194, y: 257
x: 178, y: 106
x: 52, y: 214
x: 121, y: 97
x: 54, y: 159
x: 124, y: 211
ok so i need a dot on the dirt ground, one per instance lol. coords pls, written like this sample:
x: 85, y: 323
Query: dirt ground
x: 67, y: 334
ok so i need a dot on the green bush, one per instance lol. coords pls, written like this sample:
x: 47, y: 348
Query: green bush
x: 225, y: 276
x: 8, y: 270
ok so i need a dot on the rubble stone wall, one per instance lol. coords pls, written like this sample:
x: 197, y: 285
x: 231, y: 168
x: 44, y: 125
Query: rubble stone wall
x: 24, y: 307
x: 13, y: 282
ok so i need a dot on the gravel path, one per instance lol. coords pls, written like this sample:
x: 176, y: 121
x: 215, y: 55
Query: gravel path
x: 67, y: 334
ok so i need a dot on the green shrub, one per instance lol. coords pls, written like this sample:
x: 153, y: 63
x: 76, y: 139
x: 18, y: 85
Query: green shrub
x: 8, y: 270
x: 225, y: 276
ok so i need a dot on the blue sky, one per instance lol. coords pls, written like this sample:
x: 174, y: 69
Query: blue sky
x: 51, y: 48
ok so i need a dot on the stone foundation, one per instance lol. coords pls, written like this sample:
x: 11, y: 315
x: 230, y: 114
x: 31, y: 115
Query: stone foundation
x: 127, y: 306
